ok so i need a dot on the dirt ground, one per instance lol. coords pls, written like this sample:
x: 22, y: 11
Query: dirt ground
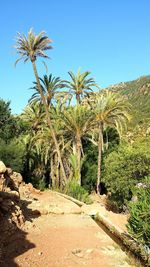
x: 58, y: 233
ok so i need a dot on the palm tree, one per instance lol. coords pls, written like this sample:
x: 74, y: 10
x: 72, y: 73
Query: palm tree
x: 29, y: 48
x: 43, y: 140
x: 34, y: 116
x: 50, y: 87
x: 77, y: 122
x: 41, y: 155
x: 112, y: 110
x: 80, y: 85
x: 45, y: 146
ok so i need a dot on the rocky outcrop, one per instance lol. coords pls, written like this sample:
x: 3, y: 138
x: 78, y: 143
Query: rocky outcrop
x: 11, y: 215
x: 13, y: 202
x: 15, y: 196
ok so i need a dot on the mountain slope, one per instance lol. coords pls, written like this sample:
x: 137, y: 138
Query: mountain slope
x: 138, y: 93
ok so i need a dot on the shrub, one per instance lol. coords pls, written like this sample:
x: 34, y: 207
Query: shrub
x: 139, y: 221
x: 124, y: 168
x: 12, y: 154
x: 38, y: 183
x: 75, y: 190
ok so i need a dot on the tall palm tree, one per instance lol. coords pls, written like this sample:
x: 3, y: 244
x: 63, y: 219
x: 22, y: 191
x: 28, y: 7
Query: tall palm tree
x: 77, y: 122
x: 80, y: 85
x: 29, y: 48
x: 50, y: 86
x: 112, y: 110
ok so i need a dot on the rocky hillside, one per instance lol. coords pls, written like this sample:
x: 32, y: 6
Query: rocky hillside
x: 138, y: 93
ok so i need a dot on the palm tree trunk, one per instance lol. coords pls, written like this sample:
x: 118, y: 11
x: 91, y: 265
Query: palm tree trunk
x: 99, y: 163
x: 79, y: 159
x: 78, y: 99
x: 49, y: 121
x: 52, y: 178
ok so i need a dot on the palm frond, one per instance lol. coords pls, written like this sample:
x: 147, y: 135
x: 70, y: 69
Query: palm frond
x: 32, y: 46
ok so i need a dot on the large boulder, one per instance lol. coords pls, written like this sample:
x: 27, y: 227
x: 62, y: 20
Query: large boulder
x: 2, y: 167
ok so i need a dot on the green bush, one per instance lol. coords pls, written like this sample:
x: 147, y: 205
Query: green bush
x: 124, y: 168
x: 75, y: 190
x: 139, y: 221
x: 12, y: 154
x: 38, y: 183
x: 89, y: 167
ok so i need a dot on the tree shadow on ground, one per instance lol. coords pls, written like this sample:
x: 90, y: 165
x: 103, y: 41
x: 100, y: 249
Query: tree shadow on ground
x: 13, y: 239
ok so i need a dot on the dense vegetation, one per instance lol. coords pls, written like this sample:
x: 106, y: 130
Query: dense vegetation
x: 139, y: 222
x: 76, y: 140
x: 124, y: 168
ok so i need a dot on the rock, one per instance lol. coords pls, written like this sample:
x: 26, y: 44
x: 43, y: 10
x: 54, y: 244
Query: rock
x: 76, y: 251
x: 134, y: 199
x: 9, y: 171
x: 7, y: 189
x: 2, y: 167
x: 26, y: 190
x: 80, y: 255
x: 15, y: 193
x: 90, y: 250
x: 56, y: 210
x: 30, y: 187
x: 2, y: 182
x: 141, y: 185
x: 16, y: 178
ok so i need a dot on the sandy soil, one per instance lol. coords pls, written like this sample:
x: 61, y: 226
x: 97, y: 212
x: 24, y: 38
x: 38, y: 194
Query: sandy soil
x: 58, y: 233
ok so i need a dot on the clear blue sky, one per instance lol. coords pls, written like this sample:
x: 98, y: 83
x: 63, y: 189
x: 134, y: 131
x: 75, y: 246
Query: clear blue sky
x: 109, y: 38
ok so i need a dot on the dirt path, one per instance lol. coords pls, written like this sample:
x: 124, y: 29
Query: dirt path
x: 58, y: 234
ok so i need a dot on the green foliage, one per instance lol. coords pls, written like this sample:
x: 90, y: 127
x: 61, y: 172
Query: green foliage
x: 139, y: 221
x: 80, y: 85
x: 50, y: 86
x: 111, y: 140
x: 32, y: 46
x: 7, y: 122
x: 75, y: 190
x: 39, y: 183
x: 89, y: 168
x: 11, y: 127
x: 138, y: 93
x: 12, y: 154
x: 124, y: 168
x: 74, y: 164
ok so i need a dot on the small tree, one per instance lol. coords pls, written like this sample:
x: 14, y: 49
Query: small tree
x: 50, y: 87
x: 80, y: 85
x: 8, y: 123
x: 76, y: 122
x: 110, y: 109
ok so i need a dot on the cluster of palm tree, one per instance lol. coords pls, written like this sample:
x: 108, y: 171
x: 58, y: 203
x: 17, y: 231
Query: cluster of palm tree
x: 62, y: 113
